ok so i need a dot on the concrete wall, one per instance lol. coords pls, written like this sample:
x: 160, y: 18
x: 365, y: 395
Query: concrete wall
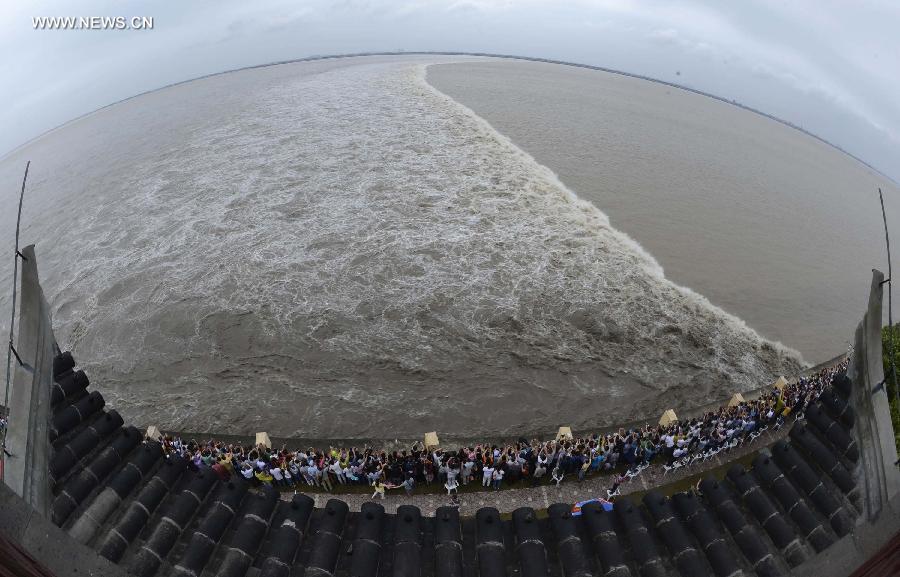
x: 878, y: 475
x: 26, y: 472
x: 50, y: 545
x: 25, y: 492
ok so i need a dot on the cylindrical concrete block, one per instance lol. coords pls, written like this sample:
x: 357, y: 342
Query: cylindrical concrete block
x: 140, y: 461
x: 812, y: 486
x: 447, y: 543
x: 367, y: 541
x: 327, y: 538
x: 83, y: 443
x: 674, y: 535
x: 69, y: 418
x: 841, y: 383
x: 767, y: 514
x: 719, y: 496
x: 569, y: 547
x: 408, y: 542
x: 836, y: 434
x: 643, y: 547
x: 80, y: 486
x: 823, y: 457
x: 255, y: 515
x: 530, y: 548
x: 62, y: 364
x: 204, y: 540
x: 601, y: 526
x: 272, y: 567
x: 772, y: 477
x: 704, y: 528
x: 137, y: 514
x: 90, y: 521
x: 103, y: 464
x: 249, y: 534
x: 489, y: 549
x: 286, y: 539
x: 67, y: 386
x: 838, y: 407
x: 170, y: 526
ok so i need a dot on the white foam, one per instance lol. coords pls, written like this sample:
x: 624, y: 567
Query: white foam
x: 358, y: 253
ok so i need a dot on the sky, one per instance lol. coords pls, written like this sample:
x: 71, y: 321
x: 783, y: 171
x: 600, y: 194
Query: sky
x: 828, y: 66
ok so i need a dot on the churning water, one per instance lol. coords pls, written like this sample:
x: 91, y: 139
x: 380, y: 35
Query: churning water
x: 338, y: 249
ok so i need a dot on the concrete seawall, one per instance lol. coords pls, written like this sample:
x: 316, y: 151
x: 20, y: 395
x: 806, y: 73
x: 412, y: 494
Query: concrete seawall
x: 27, y: 436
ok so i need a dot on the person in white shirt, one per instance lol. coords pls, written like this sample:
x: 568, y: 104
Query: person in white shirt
x: 338, y: 472
x: 498, y: 478
x: 488, y: 473
x: 277, y: 475
x: 312, y: 475
x: 467, y: 472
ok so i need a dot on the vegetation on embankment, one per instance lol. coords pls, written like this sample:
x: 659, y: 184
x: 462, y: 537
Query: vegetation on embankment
x: 892, y: 378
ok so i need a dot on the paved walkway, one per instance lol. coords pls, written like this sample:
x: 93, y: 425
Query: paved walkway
x: 541, y: 497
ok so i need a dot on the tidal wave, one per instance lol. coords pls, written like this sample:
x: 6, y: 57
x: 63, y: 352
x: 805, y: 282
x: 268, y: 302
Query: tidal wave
x: 351, y: 253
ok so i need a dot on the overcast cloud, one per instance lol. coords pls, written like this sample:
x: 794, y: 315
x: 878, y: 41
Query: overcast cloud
x: 831, y: 67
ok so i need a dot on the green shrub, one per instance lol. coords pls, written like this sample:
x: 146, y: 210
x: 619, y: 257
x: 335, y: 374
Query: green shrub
x: 892, y: 379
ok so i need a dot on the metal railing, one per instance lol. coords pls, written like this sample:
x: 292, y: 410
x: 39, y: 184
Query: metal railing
x: 11, y: 350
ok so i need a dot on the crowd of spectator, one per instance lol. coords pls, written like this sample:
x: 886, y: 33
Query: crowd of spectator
x: 495, y: 466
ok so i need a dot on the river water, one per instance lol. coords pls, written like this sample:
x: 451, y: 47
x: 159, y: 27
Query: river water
x: 773, y: 226
x: 338, y: 248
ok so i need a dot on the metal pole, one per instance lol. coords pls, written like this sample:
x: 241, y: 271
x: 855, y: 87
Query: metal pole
x: 12, y: 320
x: 887, y: 241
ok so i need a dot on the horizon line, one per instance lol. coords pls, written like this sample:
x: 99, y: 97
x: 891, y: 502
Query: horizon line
x: 316, y: 57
